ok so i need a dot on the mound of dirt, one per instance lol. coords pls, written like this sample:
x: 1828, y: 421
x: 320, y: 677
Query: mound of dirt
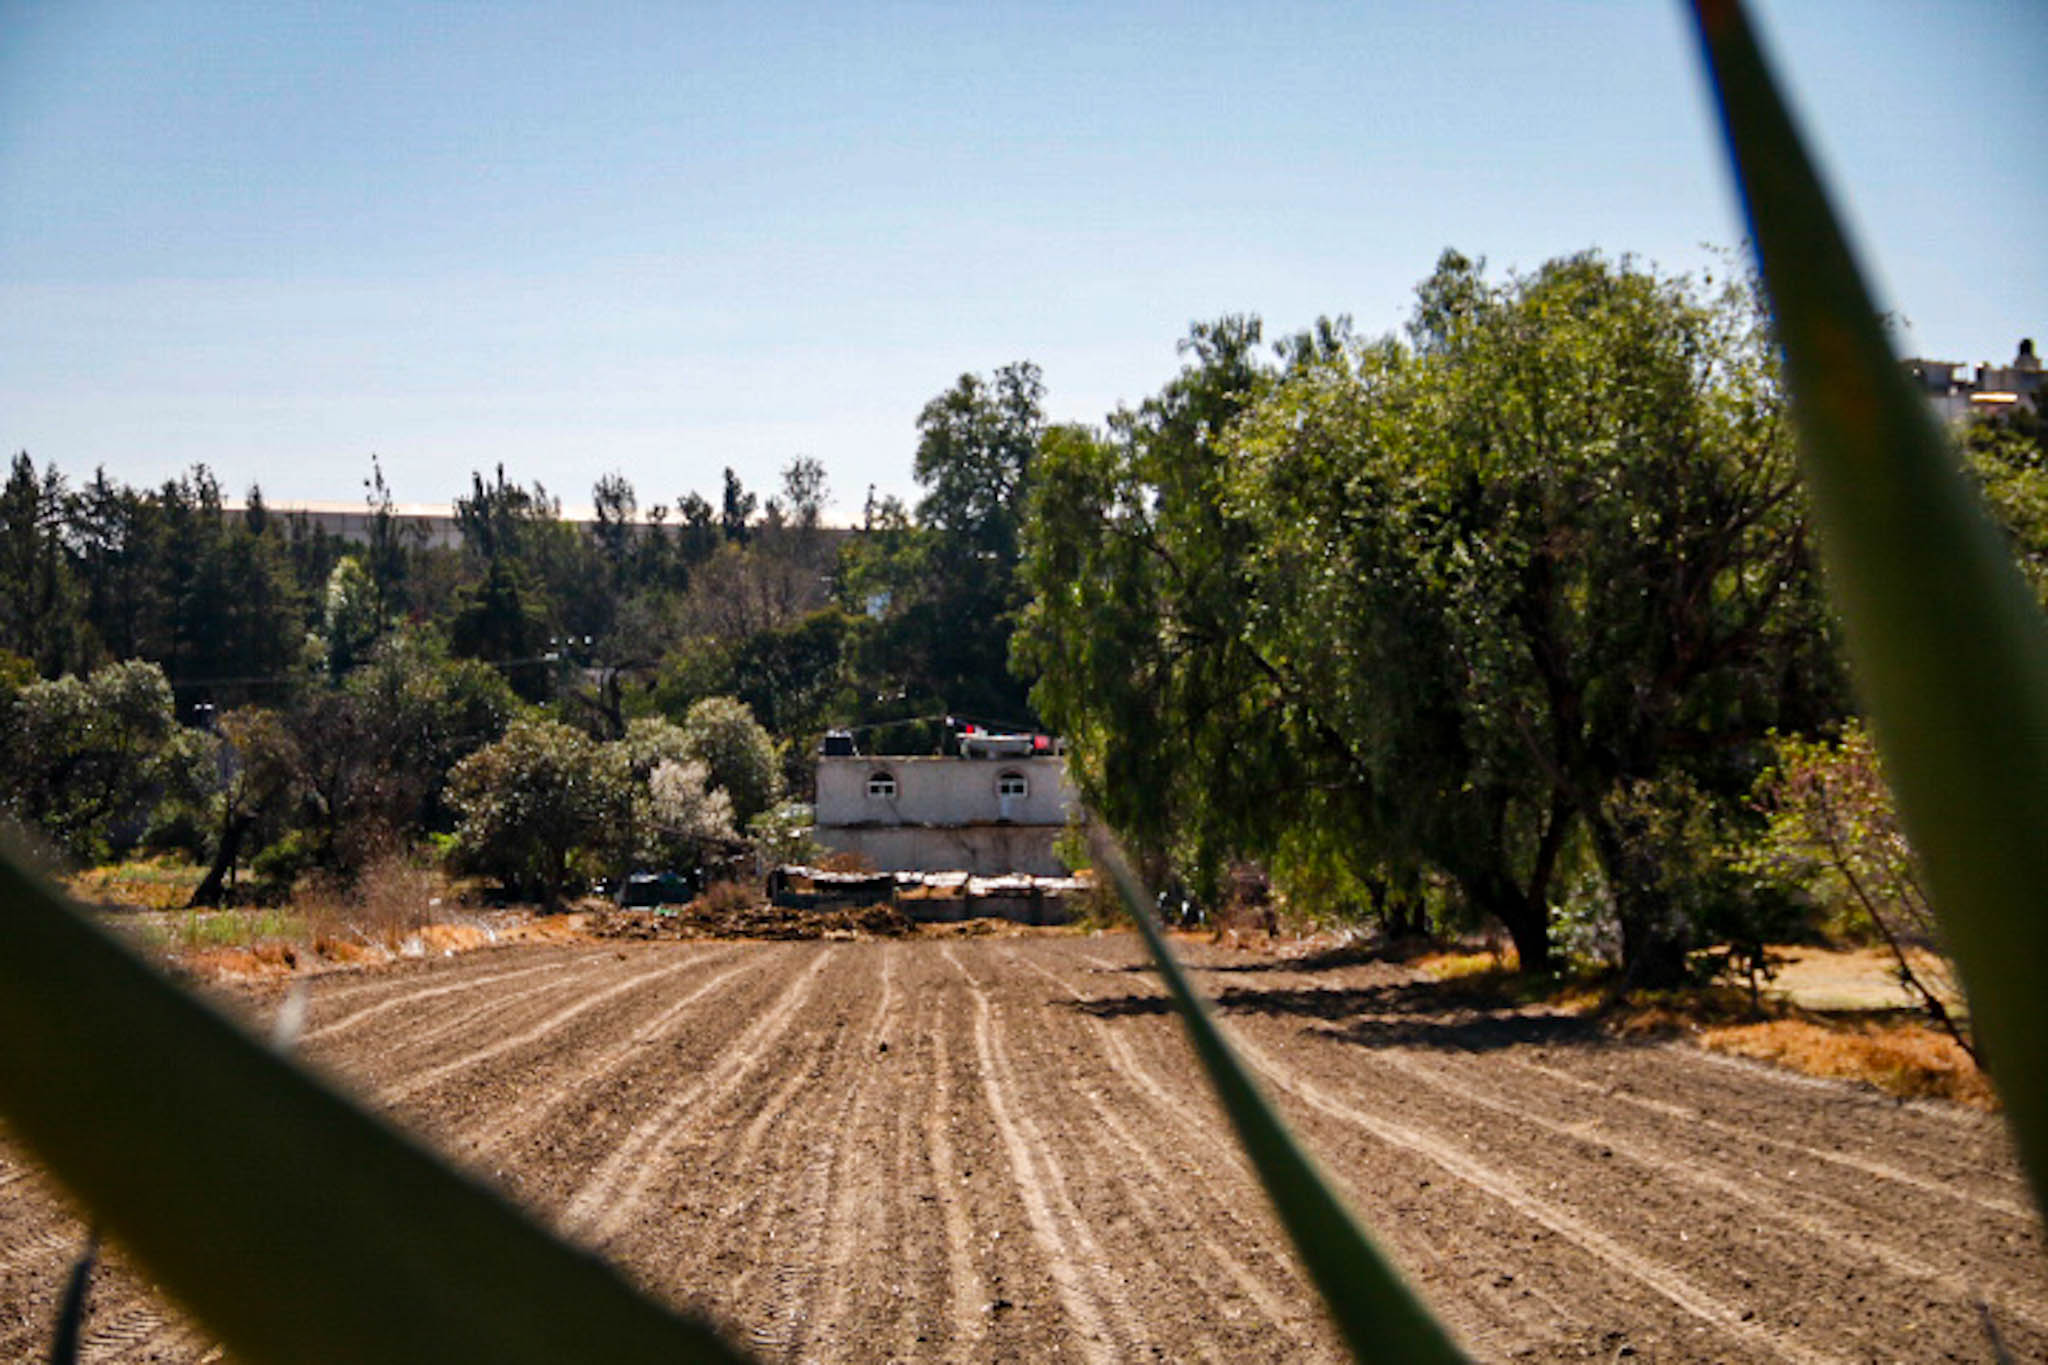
x: 701, y: 919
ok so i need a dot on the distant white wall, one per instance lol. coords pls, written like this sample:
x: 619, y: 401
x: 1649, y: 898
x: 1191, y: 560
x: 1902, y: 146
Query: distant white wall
x: 942, y: 791
x: 984, y: 850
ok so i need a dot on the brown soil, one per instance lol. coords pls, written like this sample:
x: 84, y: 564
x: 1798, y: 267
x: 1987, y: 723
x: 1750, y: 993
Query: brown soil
x: 999, y: 1148
x: 706, y: 918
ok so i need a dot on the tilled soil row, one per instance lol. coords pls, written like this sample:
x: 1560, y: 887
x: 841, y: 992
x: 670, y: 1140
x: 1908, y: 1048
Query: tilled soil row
x: 981, y: 1149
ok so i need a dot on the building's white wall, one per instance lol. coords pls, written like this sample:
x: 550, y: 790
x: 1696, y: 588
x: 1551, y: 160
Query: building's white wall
x: 983, y: 850
x: 941, y: 791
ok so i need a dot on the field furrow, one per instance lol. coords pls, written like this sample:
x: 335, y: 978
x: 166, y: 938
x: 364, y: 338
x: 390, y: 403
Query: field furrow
x: 984, y: 1148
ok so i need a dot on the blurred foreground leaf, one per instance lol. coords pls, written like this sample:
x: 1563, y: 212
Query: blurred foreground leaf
x: 293, y: 1223
x: 1379, y: 1316
x: 1948, y: 646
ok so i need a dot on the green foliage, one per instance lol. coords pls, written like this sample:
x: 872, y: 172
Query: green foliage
x: 1136, y: 574
x: 533, y: 802
x: 350, y: 618
x: 2011, y: 472
x: 686, y: 821
x: 264, y: 773
x: 1369, y: 608
x: 503, y: 621
x: 682, y: 818
x: 783, y: 834
x: 722, y: 734
x: 947, y: 587
x: 1955, y: 682
x: 1832, y: 829
x: 38, y: 592
x: 85, y: 759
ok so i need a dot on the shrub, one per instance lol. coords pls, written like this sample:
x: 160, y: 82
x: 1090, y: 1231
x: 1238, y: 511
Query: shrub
x: 539, y: 805
x: 1834, y: 829
x: 722, y: 732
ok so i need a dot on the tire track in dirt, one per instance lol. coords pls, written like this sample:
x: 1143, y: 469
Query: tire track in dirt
x: 1769, y: 1205
x: 172, y: 1339
x: 118, y: 1337
x: 851, y: 1220
x: 1666, y: 1282
x: 1841, y: 1111
x: 1207, y: 1126
x: 1041, y: 1186
x: 852, y: 1203
x: 2010, y: 1208
x: 1193, y: 1179
x: 813, y: 1262
x: 1860, y: 1235
x: 728, y: 1160
x: 494, y: 1131
x: 409, y: 1037
x: 413, y: 999
x: 966, y: 1290
x: 1670, y: 1284
x: 1768, y: 1074
x: 919, y: 1304
x: 1508, y: 1323
x: 1057, y: 1080
x: 1681, y: 1145
x: 398, y: 1092
x: 1843, y: 1248
x: 41, y: 1246
x: 603, y: 1205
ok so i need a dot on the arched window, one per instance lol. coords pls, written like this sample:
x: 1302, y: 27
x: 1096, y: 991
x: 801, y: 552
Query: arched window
x: 1012, y: 784
x: 882, y: 784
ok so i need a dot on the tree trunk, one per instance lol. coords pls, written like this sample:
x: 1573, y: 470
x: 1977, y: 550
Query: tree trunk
x: 1526, y: 917
x: 208, y: 892
x: 1655, y: 935
x: 1529, y: 926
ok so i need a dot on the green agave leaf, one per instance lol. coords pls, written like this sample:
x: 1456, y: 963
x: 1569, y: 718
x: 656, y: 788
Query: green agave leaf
x: 295, y: 1224
x: 1373, y: 1307
x: 1948, y: 646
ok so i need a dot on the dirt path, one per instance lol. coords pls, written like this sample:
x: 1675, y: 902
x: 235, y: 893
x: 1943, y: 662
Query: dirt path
x: 999, y: 1149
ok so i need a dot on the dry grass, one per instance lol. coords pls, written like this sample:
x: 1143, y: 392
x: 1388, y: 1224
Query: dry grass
x: 1905, y: 1059
x: 729, y: 897
x: 140, y: 884
x: 1838, y: 1015
x: 395, y: 909
x: 387, y: 907
x: 1895, y: 1051
x: 1458, y: 964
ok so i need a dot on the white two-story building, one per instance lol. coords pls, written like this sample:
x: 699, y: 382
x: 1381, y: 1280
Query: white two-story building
x: 984, y: 815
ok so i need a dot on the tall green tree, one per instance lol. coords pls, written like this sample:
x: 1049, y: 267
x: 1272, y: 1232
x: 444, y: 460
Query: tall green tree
x: 540, y: 801
x: 1432, y: 604
x: 41, y: 614
x: 86, y: 759
x: 946, y: 591
x: 1135, y: 564
x: 1622, y: 515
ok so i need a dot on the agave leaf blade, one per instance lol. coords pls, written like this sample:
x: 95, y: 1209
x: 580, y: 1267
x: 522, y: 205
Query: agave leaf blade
x: 1948, y: 646
x: 295, y: 1224
x: 1377, y: 1313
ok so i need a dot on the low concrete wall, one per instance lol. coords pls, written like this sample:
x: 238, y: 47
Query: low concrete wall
x: 984, y: 850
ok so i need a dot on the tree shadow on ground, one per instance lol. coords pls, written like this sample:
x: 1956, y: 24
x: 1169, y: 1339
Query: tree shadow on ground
x: 1326, y: 960
x: 1427, y: 1014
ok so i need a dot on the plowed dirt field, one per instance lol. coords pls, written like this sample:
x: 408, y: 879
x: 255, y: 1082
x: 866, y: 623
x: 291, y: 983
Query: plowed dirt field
x: 1000, y: 1149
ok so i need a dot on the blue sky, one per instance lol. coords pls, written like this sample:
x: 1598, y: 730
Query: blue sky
x: 662, y: 239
